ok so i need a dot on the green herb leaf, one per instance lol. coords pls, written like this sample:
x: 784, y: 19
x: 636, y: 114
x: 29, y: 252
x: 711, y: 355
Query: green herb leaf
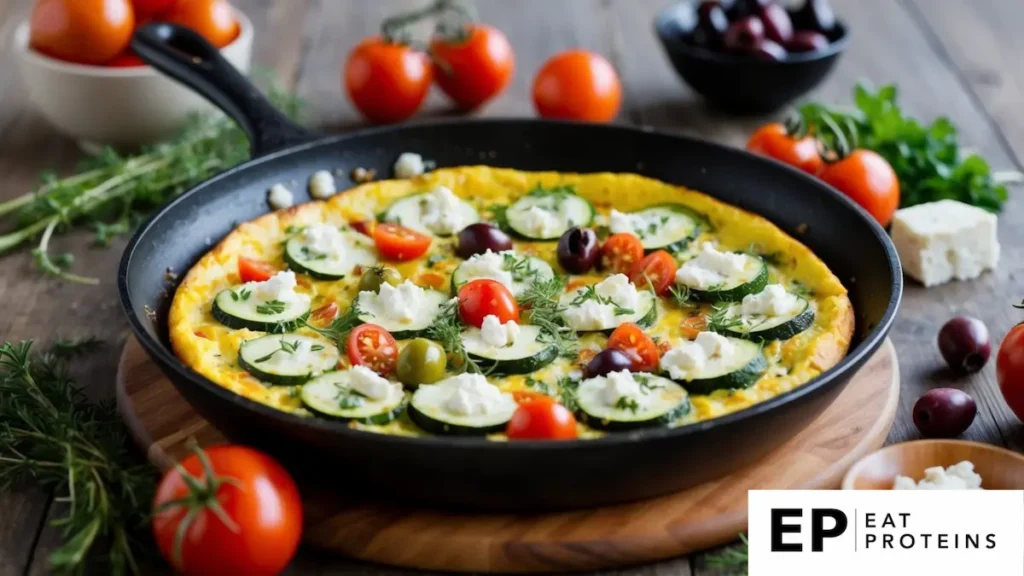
x: 271, y: 307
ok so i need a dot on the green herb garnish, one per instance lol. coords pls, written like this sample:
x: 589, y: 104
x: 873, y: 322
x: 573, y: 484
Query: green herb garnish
x: 271, y: 307
x: 541, y: 299
x: 338, y: 330
x: 286, y: 347
x: 627, y: 403
x: 447, y: 331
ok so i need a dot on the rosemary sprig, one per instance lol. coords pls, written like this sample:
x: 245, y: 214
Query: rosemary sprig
x: 721, y: 319
x: 681, y: 295
x: 590, y: 293
x: 542, y: 300
x: 338, y: 330
x: 734, y: 560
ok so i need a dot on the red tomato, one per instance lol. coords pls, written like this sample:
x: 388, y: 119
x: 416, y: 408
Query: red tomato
x: 395, y: 242
x: 869, y: 180
x: 1010, y: 370
x: 364, y: 227
x: 577, y: 85
x: 152, y: 7
x: 475, y: 70
x: 620, y: 252
x: 541, y: 421
x: 254, y: 270
x: 524, y: 396
x: 325, y: 314
x: 657, y: 268
x: 387, y: 82
x: 244, y: 518
x: 774, y: 141
x: 213, y: 19
x: 484, y: 297
x: 83, y: 31
x: 126, y: 60
x: 630, y: 338
x: 374, y: 347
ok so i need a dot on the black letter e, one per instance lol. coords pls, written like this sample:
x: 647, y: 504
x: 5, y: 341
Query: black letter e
x: 778, y: 529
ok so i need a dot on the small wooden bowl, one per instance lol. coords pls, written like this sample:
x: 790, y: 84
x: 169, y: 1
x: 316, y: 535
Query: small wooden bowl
x: 1000, y: 469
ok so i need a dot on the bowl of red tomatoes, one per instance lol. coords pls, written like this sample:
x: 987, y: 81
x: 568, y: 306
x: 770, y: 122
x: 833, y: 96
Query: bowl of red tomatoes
x: 77, y: 65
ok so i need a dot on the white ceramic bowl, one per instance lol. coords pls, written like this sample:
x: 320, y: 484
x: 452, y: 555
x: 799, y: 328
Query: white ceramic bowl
x: 121, y: 107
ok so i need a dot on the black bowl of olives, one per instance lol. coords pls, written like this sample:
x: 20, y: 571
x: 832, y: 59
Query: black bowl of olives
x: 751, y: 56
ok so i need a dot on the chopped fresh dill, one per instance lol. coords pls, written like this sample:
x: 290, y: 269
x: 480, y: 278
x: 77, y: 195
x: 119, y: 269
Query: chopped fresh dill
x: 567, y: 388
x: 447, y: 331
x: 541, y: 299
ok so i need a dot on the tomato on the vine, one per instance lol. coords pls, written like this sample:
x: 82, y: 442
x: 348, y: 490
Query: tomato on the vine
x: 228, y: 510
x: 82, y: 31
x: 541, y: 420
x: 254, y: 270
x: 868, y: 180
x: 398, y: 243
x: 1010, y: 370
x: 485, y: 297
x: 657, y: 269
x: 214, y: 20
x: 473, y: 69
x: 632, y: 340
x: 620, y: 252
x: 773, y: 140
x: 577, y: 85
x: 374, y: 347
x: 387, y: 82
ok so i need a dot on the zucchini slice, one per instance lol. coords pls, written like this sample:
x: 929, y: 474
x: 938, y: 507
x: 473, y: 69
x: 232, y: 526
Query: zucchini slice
x: 741, y: 369
x: 287, y: 359
x: 527, y: 354
x: 546, y: 215
x: 730, y: 322
x: 523, y: 271
x: 237, y: 308
x: 645, y: 314
x: 427, y: 212
x: 751, y: 280
x: 667, y: 227
x: 659, y: 403
x: 428, y: 410
x: 353, y: 249
x: 372, y: 311
x: 332, y: 395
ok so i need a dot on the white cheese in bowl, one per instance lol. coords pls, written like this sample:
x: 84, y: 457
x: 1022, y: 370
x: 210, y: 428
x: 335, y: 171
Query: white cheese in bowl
x: 959, y: 476
x: 945, y: 240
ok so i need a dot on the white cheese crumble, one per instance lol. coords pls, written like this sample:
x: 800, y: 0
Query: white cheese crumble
x: 280, y: 197
x: 619, y: 222
x: 409, y: 165
x: 333, y: 245
x: 688, y: 357
x: 614, y: 293
x: 540, y: 222
x: 710, y: 267
x: 442, y: 211
x: 945, y: 240
x: 397, y: 303
x: 957, y: 477
x: 641, y: 224
x: 774, y: 300
x: 619, y: 385
x: 496, y: 334
x: 321, y: 185
x: 472, y: 395
x: 489, y: 265
x: 280, y: 287
x: 372, y: 385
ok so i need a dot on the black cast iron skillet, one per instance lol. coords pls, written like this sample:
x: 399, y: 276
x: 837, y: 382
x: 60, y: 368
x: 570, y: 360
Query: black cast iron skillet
x: 473, y: 473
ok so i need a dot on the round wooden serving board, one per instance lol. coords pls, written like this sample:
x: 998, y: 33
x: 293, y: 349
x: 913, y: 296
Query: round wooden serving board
x: 702, y: 517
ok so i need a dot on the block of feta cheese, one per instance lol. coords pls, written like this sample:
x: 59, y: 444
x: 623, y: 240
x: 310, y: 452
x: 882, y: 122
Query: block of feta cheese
x: 945, y: 240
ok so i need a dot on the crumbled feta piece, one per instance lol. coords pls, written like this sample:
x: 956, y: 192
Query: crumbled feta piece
x: 540, y: 222
x: 619, y: 290
x: 496, y: 334
x: 945, y: 240
x: 471, y: 395
x: 772, y: 301
x: 280, y: 287
x: 321, y: 185
x: 614, y: 292
x: 683, y: 360
x: 399, y: 303
x: 960, y: 476
x: 324, y: 239
x: 489, y: 265
x: 370, y: 384
x: 590, y: 315
x: 641, y: 224
x: 280, y: 197
x: 409, y: 165
x: 714, y: 345
x: 710, y: 267
x: 620, y: 385
x: 619, y: 222
x: 442, y: 211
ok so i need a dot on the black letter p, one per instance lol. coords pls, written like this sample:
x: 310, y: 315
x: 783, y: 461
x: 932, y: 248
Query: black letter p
x: 818, y: 532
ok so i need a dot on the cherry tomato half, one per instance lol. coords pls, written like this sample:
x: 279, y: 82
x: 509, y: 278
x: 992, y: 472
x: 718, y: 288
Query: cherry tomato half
x: 657, y: 268
x: 774, y: 141
x: 630, y: 338
x: 152, y: 7
x: 541, y: 421
x: 325, y: 314
x: 485, y: 297
x: 577, y: 85
x: 259, y: 528
x: 868, y: 180
x: 475, y: 70
x: 254, y: 270
x: 398, y: 243
x: 83, y: 31
x: 621, y: 252
x: 213, y: 19
x: 374, y: 347
x: 1010, y: 370
x: 387, y: 82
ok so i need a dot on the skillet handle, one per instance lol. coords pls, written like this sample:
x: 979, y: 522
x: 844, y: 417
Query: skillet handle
x: 187, y: 57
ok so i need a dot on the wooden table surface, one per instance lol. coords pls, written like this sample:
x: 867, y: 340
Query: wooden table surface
x: 950, y: 57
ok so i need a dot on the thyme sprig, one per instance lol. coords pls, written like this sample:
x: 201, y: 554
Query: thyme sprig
x: 541, y: 299
x: 447, y: 331
x: 338, y: 330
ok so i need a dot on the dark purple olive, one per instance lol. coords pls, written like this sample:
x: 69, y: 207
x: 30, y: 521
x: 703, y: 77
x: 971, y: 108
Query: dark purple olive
x: 607, y: 361
x: 777, y: 25
x: 807, y: 41
x: 739, y: 9
x: 711, y: 25
x: 944, y: 412
x: 479, y: 238
x: 745, y: 35
x: 769, y: 50
x: 816, y: 16
x: 964, y: 343
x: 578, y: 250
